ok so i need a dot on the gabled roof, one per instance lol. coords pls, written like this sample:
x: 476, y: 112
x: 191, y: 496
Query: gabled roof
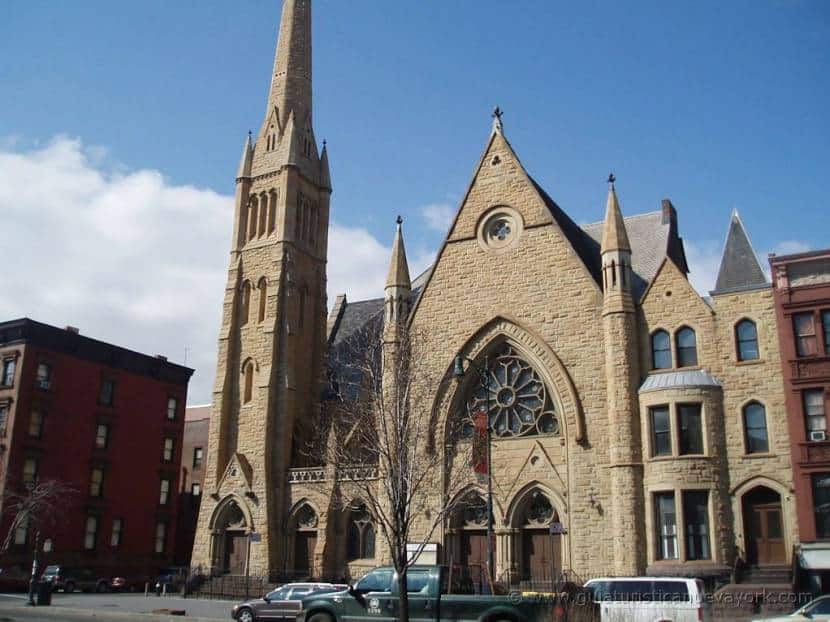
x: 739, y: 266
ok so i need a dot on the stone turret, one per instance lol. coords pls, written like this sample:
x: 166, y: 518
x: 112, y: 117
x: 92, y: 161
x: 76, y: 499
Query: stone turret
x: 622, y: 376
x: 398, y: 284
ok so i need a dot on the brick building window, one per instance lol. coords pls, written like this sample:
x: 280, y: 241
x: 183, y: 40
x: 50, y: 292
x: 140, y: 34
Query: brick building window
x: 755, y: 428
x: 30, y: 470
x: 198, y: 457
x: 117, y: 530
x: 666, y: 525
x: 686, y: 347
x: 161, y: 537
x: 91, y: 533
x: 696, y: 523
x: 43, y: 378
x: 106, y: 397
x: 805, y: 334
x: 102, y: 436
x: 691, y: 429
x: 196, y: 489
x: 9, y: 367
x: 164, y: 491
x: 4, y: 417
x: 660, y: 431
x: 746, y: 338
x: 814, y: 415
x: 169, y: 448
x: 661, y: 350
x: 36, y: 424
x: 172, y: 408
x: 96, y: 482
x: 821, y: 504
x: 825, y: 322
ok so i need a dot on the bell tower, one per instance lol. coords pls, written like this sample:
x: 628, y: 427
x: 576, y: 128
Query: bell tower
x: 272, y: 338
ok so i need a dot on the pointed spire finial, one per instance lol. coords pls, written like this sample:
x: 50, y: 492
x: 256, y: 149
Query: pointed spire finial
x: 614, y: 234
x: 498, y: 113
x: 398, y: 268
x: 399, y: 221
x: 611, y: 178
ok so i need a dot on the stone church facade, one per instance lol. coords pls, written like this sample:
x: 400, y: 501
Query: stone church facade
x: 645, y: 419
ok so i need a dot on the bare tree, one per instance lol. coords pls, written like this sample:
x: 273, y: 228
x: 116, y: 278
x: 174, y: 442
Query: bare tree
x: 36, y: 509
x: 380, y: 444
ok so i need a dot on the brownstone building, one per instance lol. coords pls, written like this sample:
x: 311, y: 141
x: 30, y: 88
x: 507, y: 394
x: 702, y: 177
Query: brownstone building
x: 802, y: 304
x: 646, y: 421
x: 104, y: 420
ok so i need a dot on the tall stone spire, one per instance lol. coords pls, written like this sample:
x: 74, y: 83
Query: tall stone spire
x: 291, y: 80
x: 614, y: 234
x: 398, y: 284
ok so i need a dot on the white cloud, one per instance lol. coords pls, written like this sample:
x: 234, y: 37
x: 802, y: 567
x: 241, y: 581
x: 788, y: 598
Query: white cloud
x: 438, y: 216
x: 131, y: 259
x: 790, y: 247
x: 704, y: 262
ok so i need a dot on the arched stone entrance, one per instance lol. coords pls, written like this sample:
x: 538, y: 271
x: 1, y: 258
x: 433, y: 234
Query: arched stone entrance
x: 466, y: 535
x: 230, y: 529
x: 539, y: 551
x: 764, y: 537
x: 302, y: 526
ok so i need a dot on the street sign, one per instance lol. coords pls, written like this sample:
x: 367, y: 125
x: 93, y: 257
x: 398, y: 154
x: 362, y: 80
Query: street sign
x: 255, y: 536
x: 557, y: 528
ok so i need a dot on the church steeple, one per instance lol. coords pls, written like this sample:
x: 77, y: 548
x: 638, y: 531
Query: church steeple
x: 398, y: 284
x: 291, y: 80
x: 616, y: 256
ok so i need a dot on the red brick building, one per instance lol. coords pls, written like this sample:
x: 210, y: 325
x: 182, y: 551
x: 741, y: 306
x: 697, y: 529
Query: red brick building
x: 194, y: 454
x: 802, y: 297
x: 108, y: 422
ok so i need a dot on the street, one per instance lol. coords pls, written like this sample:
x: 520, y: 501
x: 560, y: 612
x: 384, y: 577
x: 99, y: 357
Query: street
x: 111, y: 607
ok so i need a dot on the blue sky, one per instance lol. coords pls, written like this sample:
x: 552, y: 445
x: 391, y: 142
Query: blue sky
x: 716, y: 105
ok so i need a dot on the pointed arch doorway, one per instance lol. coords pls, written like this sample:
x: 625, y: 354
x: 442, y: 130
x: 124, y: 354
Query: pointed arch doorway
x: 539, y: 548
x: 230, y: 538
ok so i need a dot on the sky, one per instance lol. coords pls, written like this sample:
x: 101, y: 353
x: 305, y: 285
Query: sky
x: 121, y: 125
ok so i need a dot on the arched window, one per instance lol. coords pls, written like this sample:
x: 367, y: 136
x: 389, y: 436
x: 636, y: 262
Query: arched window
x: 686, y: 347
x: 360, y: 536
x: 263, y: 213
x: 263, y: 298
x: 272, y: 212
x: 660, y: 350
x: 245, y: 304
x: 517, y: 399
x: 252, y: 218
x: 746, y: 339
x: 755, y: 428
x: 249, y: 382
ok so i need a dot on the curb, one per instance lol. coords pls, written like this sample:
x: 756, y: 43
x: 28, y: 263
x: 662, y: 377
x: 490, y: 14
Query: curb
x: 59, y: 612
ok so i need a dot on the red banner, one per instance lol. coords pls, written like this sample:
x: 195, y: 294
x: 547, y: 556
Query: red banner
x: 480, y: 421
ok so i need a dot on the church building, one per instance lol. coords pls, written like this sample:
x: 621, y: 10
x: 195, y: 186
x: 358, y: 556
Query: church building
x: 646, y: 420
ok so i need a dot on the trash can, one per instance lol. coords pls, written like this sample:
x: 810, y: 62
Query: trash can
x: 44, y: 593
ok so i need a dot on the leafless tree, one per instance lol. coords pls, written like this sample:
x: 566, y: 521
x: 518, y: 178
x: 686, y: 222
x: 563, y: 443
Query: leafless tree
x: 379, y: 443
x: 36, y: 509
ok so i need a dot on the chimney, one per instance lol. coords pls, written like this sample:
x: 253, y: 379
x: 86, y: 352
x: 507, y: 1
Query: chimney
x: 72, y: 329
x: 669, y: 214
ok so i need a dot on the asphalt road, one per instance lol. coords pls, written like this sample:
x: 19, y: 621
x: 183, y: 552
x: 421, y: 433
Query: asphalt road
x: 112, y: 607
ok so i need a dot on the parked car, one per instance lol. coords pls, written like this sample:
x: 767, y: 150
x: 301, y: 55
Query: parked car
x: 128, y: 582
x: 432, y: 596
x: 69, y: 579
x: 635, y: 599
x: 283, y: 603
x: 15, y: 578
x: 817, y: 609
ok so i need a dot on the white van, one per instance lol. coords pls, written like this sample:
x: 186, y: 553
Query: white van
x: 650, y: 599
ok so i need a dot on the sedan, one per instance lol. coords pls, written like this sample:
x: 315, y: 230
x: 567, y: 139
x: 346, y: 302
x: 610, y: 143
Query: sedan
x: 281, y: 604
x: 818, y: 609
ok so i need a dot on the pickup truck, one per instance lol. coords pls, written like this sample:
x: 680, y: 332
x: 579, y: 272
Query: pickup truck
x: 435, y: 593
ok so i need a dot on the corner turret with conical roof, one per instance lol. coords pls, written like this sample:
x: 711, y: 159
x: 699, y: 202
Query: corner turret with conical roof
x: 398, y: 284
x: 616, y: 257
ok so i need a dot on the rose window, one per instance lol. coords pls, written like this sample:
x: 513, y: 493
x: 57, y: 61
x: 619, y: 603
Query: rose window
x: 517, y: 399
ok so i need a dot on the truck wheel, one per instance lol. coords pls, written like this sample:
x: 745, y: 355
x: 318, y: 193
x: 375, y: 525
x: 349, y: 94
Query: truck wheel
x: 320, y: 617
x: 68, y: 587
x: 245, y: 615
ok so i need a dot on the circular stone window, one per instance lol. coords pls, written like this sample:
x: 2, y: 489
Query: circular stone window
x: 500, y: 229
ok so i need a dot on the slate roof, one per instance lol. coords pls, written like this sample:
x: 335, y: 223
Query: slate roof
x: 679, y: 380
x: 739, y: 266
